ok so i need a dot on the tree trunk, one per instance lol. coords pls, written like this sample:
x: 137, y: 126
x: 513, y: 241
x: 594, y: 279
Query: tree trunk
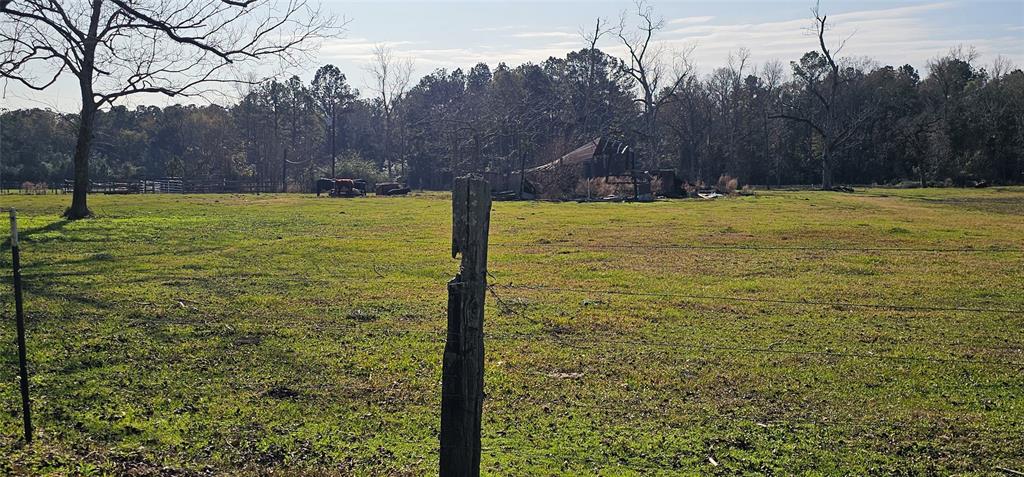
x: 684, y: 160
x: 826, y: 168
x: 650, y: 140
x: 86, y: 121
x: 83, y: 147
x: 387, y: 142
x: 477, y: 163
x: 767, y: 151
x: 284, y: 171
x: 334, y: 135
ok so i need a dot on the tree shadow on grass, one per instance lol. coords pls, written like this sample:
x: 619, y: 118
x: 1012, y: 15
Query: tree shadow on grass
x: 55, y: 226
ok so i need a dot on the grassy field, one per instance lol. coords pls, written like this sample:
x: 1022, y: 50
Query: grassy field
x: 241, y: 334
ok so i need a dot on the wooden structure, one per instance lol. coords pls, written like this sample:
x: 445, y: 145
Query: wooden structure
x: 605, y: 158
x: 602, y: 157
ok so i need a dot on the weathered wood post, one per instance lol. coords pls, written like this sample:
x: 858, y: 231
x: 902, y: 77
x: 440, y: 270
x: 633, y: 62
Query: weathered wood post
x: 462, y: 375
x: 19, y: 313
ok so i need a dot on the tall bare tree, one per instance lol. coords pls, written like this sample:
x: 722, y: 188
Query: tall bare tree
x: 831, y: 110
x: 390, y: 77
x: 771, y: 78
x: 591, y: 38
x: 657, y: 76
x: 116, y: 49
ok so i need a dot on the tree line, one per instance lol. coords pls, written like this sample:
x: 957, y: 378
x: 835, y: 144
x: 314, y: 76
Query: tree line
x: 821, y: 119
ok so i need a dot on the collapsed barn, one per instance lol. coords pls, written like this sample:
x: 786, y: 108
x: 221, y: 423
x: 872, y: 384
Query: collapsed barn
x: 601, y: 169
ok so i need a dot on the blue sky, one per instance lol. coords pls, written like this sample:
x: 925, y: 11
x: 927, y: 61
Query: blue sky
x: 460, y: 34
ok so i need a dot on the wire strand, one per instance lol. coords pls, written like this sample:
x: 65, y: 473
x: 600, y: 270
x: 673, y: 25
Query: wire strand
x: 750, y: 248
x: 889, y: 306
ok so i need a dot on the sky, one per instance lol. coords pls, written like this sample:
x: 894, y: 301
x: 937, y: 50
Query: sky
x: 460, y: 34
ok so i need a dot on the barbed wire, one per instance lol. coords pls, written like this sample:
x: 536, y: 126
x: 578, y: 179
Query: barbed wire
x: 580, y: 342
x: 511, y: 309
x: 588, y: 343
x: 805, y: 302
x: 766, y: 248
x: 156, y: 275
x: 505, y: 306
x: 590, y: 340
x: 664, y: 410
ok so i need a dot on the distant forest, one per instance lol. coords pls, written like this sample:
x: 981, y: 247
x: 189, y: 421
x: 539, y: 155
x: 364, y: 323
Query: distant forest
x: 952, y: 123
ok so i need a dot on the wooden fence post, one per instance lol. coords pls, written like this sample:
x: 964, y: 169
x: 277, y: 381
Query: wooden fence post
x: 19, y: 311
x: 462, y: 375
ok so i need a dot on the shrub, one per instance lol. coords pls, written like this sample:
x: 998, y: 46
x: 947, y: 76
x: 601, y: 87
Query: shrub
x: 599, y: 187
x: 39, y: 188
x: 691, y: 189
x: 727, y: 184
x: 557, y: 184
x: 352, y: 165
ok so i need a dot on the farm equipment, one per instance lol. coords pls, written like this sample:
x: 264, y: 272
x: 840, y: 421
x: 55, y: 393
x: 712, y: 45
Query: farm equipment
x: 341, y: 187
x: 391, y: 188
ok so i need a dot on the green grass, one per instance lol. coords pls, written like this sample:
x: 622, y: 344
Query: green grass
x: 242, y: 334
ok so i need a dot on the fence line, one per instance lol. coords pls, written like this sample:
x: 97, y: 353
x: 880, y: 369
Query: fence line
x: 502, y: 303
x: 178, y: 185
x: 158, y: 275
x: 653, y: 247
x: 521, y: 313
x: 837, y: 304
x: 582, y: 343
x: 627, y: 408
x: 852, y: 423
x: 570, y: 458
x: 585, y: 342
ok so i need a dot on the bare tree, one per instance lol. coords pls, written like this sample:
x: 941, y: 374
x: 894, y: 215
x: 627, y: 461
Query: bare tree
x: 390, y: 81
x: 727, y: 84
x: 830, y: 114
x: 657, y: 78
x: 771, y: 77
x: 591, y: 38
x: 116, y: 49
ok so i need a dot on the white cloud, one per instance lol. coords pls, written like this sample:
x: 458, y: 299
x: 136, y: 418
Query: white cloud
x: 545, y: 34
x: 359, y: 49
x: 690, y: 20
x: 907, y: 11
x: 500, y: 28
x: 891, y: 36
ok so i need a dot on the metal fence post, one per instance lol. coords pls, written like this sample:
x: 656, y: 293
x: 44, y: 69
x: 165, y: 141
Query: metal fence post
x: 462, y: 375
x: 20, y: 316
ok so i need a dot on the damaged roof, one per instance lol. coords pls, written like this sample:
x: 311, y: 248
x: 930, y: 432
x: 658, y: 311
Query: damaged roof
x: 607, y: 156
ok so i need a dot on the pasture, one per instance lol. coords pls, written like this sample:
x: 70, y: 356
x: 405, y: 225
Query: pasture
x: 874, y: 333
